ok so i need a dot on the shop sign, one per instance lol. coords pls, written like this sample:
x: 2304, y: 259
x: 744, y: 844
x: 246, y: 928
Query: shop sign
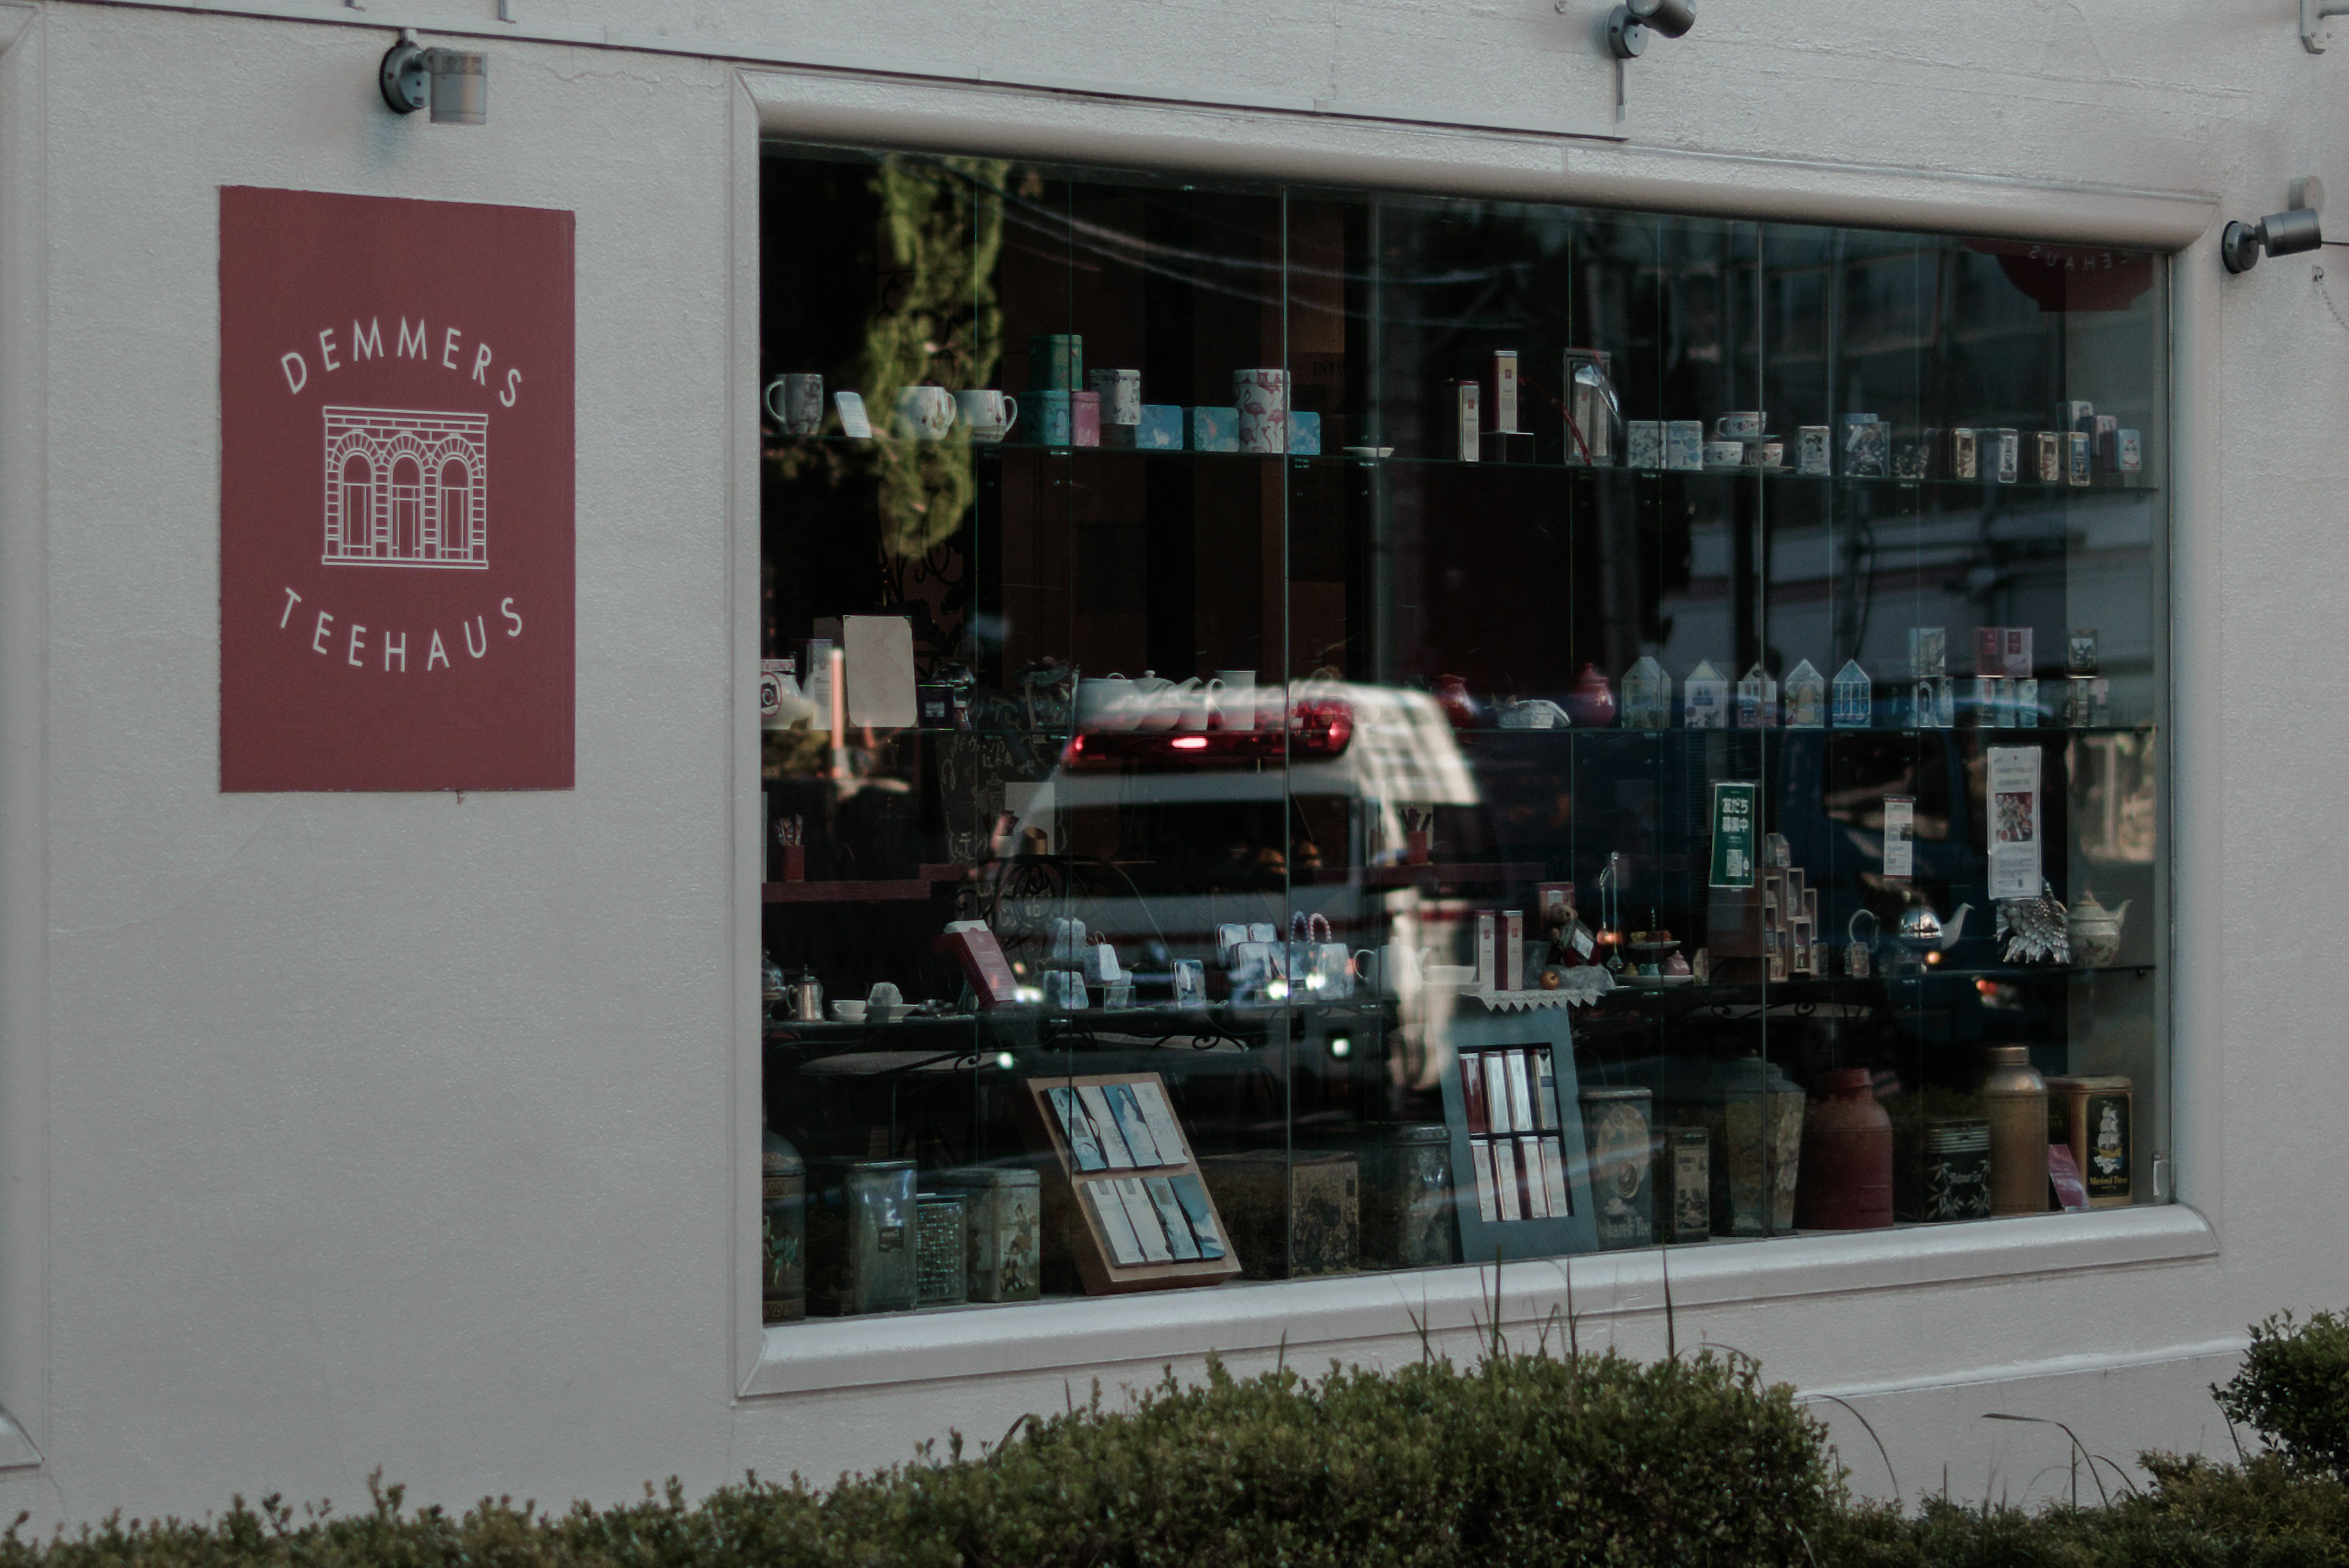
x: 396, y: 493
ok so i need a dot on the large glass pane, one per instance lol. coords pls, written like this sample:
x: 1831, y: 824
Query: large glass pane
x: 1334, y: 731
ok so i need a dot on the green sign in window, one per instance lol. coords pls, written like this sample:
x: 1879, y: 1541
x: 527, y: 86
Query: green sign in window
x: 1734, y: 808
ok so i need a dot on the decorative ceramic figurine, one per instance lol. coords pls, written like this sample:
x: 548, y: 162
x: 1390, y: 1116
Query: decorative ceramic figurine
x: 1646, y: 696
x: 1590, y: 700
x: 1806, y: 698
x: 2034, y: 929
x: 1705, y: 704
x: 1854, y: 697
x: 2095, y: 931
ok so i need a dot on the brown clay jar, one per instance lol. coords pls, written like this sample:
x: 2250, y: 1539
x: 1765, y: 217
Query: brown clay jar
x: 1846, y: 1170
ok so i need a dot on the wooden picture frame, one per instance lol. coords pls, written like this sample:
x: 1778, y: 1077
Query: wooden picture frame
x: 1128, y: 1224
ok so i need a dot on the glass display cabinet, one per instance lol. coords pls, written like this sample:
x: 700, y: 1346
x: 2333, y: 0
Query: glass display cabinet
x: 1308, y: 731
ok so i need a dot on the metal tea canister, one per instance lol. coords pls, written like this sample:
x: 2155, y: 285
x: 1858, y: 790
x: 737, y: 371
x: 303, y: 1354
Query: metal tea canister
x: 2094, y: 1112
x: 1954, y: 1179
x: 860, y: 1236
x: 782, y: 1218
x: 941, y: 1249
x: 1004, y: 1210
x: 1683, y: 1184
x: 1406, y: 1195
x: 1754, y: 1113
x: 1616, y: 1124
x: 1288, y: 1215
x: 1846, y: 1165
x: 2014, y: 1098
x: 1056, y: 362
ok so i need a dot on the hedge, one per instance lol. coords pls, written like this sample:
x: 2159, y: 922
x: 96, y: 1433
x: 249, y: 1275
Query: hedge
x: 1522, y: 1458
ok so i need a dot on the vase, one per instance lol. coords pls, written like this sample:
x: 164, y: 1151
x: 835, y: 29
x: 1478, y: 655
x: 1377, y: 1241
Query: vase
x: 1590, y: 700
x: 2014, y: 1097
x: 1847, y: 1165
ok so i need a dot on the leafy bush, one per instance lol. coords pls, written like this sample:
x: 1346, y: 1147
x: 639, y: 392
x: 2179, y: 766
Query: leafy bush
x: 1522, y: 1458
x: 1519, y: 1460
x: 2293, y: 1389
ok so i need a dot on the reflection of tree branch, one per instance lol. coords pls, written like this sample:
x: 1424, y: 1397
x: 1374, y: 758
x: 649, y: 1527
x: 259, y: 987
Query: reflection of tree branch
x: 937, y: 317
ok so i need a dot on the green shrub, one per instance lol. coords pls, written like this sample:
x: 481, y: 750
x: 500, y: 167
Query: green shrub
x: 1522, y: 1458
x: 2293, y: 1389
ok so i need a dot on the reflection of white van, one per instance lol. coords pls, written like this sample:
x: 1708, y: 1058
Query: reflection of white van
x: 1154, y: 837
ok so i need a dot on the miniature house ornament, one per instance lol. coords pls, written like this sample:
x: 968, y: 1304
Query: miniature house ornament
x: 1646, y: 696
x: 1854, y: 697
x: 1757, y: 701
x: 1705, y: 699
x: 1806, y: 698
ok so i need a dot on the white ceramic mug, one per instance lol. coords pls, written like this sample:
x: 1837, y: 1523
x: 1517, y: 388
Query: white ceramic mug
x: 926, y: 412
x: 987, y: 414
x: 1192, y: 699
x: 1262, y: 398
x: 799, y: 410
x: 1233, y: 702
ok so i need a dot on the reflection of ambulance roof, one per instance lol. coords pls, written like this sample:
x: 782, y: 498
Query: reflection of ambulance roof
x: 1403, y: 747
x: 1402, y: 750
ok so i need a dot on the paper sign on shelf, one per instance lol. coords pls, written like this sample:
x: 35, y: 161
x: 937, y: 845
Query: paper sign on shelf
x: 880, y: 662
x: 2015, y: 865
x: 1900, y: 838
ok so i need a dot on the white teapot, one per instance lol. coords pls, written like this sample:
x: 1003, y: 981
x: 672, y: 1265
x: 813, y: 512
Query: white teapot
x: 2095, y: 931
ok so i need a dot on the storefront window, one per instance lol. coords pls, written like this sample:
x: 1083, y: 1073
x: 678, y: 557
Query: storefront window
x: 1310, y: 732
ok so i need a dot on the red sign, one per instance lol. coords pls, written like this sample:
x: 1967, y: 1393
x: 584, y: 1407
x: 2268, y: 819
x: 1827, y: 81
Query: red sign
x: 396, y: 493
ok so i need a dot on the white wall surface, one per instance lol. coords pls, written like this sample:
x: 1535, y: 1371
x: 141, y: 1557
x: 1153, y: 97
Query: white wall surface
x: 415, y: 1132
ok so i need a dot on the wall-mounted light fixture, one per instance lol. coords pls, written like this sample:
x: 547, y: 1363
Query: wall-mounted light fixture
x: 2288, y: 233
x: 455, y: 81
x: 2314, y: 32
x: 1629, y: 23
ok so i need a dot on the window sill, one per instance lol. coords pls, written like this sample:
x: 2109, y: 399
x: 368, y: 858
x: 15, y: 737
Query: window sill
x: 1313, y: 1317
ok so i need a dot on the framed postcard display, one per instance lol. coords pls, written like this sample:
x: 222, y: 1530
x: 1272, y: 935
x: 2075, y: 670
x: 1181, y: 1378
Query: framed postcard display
x: 1521, y: 1181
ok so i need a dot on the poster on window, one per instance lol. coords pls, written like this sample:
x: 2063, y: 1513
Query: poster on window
x: 2014, y: 865
x: 397, y: 565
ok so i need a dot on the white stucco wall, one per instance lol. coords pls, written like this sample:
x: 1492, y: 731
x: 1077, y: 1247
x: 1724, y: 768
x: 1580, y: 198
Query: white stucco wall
x: 415, y: 1132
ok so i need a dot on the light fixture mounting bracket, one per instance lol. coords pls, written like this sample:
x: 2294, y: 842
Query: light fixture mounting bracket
x: 407, y: 85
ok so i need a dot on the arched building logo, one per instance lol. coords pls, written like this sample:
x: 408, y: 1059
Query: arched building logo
x: 407, y: 487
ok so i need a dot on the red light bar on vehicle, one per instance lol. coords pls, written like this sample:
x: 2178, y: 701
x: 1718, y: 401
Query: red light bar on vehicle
x: 1319, y: 728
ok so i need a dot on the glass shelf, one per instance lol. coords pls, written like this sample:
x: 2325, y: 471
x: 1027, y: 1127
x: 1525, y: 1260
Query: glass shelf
x: 2104, y: 483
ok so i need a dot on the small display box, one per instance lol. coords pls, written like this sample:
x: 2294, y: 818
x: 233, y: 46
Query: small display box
x: 2094, y: 1112
x: 1683, y: 1184
x: 940, y: 1242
